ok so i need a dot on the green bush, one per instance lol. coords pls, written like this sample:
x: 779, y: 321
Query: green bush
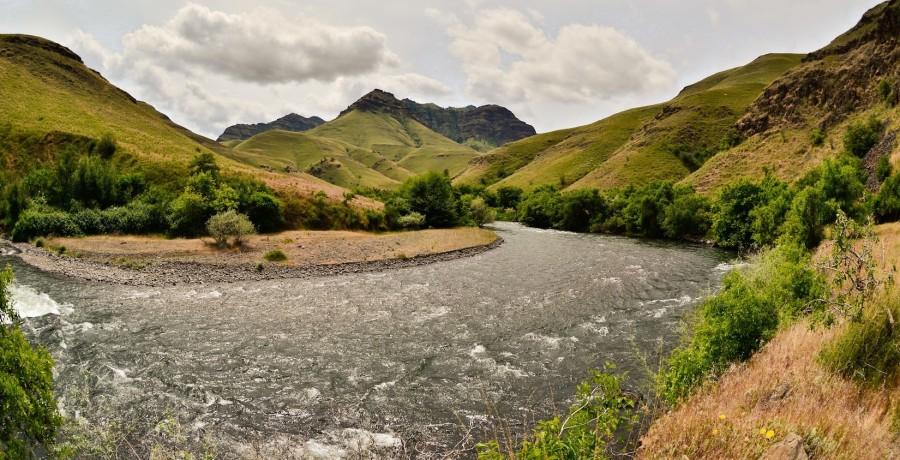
x: 44, y: 221
x: 480, y: 212
x: 733, y: 227
x: 433, y: 196
x: 412, y: 220
x: 868, y: 350
x: 578, y: 209
x: 188, y: 214
x: 886, y: 204
x: 862, y: 136
x: 817, y: 137
x: 601, y: 412
x: 883, y: 168
x: 275, y: 255
x: 28, y: 410
x: 106, y: 146
x: 540, y: 208
x: 887, y: 93
x: 688, y: 216
x: 229, y: 225
x: 508, y: 197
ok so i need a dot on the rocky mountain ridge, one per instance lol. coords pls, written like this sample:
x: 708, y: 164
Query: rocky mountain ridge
x: 289, y: 122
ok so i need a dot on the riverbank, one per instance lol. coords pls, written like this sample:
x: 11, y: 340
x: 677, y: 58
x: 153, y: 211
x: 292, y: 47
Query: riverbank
x: 784, y: 400
x: 156, y: 261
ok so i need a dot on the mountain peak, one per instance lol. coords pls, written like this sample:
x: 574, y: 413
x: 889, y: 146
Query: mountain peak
x: 289, y: 122
x: 491, y: 123
x: 881, y: 23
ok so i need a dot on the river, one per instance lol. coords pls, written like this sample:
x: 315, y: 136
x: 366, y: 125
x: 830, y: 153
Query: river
x: 402, y: 363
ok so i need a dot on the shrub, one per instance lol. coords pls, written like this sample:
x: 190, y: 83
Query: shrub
x: 229, y: 225
x: 733, y: 227
x: 188, y: 214
x: 43, y: 221
x: 886, y: 205
x: 106, y: 146
x: 275, y: 255
x: 432, y: 196
x: 862, y: 136
x: 601, y: 411
x: 817, y: 137
x: 578, y: 209
x: 411, y: 220
x: 645, y: 211
x: 887, y: 93
x: 264, y: 210
x: 480, y: 212
x: 883, y: 168
x: 688, y: 215
x: 205, y: 163
x: 868, y: 350
x: 508, y: 197
x: 540, y: 208
x: 29, y: 417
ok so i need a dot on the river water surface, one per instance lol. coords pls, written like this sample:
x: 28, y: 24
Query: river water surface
x: 401, y: 362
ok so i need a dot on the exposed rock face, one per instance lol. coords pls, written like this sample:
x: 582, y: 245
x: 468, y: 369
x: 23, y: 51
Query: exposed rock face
x: 789, y: 448
x: 290, y: 122
x: 493, y: 124
x: 837, y: 80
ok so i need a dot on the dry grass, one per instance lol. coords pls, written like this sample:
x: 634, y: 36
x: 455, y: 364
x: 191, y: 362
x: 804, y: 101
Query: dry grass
x: 836, y: 418
x: 303, y: 248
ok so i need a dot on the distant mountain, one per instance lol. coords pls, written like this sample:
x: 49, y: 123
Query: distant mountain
x: 289, y: 122
x: 492, y: 125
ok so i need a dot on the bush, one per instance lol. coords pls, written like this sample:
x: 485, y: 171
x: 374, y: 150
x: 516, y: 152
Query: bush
x: 43, y: 221
x: 480, y: 212
x: 688, y: 216
x: 229, y: 225
x: 887, y: 93
x: 868, y: 350
x: 411, y: 220
x: 601, y: 411
x: 883, y: 168
x: 540, y: 208
x: 29, y: 417
x: 188, y: 214
x: 508, y: 197
x: 886, y: 205
x: 275, y: 255
x: 578, y: 209
x: 432, y: 196
x: 733, y: 227
x: 817, y: 137
x: 106, y: 146
x: 862, y: 136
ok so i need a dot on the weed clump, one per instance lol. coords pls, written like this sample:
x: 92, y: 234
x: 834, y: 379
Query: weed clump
x: 275, y: 255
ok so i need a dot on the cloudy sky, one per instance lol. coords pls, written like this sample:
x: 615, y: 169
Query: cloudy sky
x: 555, y: 63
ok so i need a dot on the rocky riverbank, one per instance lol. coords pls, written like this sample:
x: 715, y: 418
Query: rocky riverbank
x: 164, y: 272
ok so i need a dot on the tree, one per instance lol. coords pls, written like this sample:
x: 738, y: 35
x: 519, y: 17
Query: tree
x: 188, y: 214
x: 688, y: 215
x: 862, y: 136
x: 733, y: 227
x: 28, y: 411
x: 508, y: 197
x: 540, y: 208
x: 480, y: 212
x: 432, y: 196
x: 205, y: 163
x: 579, y: 209
x: 229, y: 225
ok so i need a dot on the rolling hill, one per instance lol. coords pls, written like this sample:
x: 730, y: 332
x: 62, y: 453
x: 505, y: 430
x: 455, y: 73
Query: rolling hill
x: 49, y: 93
x: 289, y: 122
x: 376, y: 142
x: 665, y: 141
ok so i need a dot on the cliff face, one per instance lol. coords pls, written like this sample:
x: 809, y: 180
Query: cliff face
x: 290, y: 122
x: 840, y: 79
x: 493, y: 124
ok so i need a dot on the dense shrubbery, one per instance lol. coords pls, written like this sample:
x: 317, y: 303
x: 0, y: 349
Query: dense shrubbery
x: 886, y: 204
x: 869, y: 349
x: 28, y: 411
x: 861, y: 136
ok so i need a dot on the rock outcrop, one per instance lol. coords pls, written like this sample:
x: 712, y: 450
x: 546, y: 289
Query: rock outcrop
x: 492, y: 124
x: 289, y: 122
x: 835, y: 81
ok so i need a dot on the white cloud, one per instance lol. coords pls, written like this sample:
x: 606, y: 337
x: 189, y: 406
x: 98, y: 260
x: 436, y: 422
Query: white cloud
x: 507, y: 58
x: 208, y: 69
x: 259, y: 46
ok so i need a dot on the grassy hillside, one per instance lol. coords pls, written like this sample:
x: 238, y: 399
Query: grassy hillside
x: 665, y: 141
x: 690, y: 128
x: 359, y: 149
x: 47, y: 89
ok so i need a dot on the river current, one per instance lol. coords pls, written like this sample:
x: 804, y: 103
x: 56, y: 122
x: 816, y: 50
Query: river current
x: 413, y: 362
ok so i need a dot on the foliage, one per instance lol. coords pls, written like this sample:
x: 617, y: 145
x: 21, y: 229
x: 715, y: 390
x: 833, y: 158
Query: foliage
x: 688, y: 216
x: 275, y: 255
x: 540, y: 208
x: 39, y: 220
x: 817, y: 137
x: 508, y: 197
x: 188, y: 214
x: 411, y: 221
x: 887, y: 93
x: 106, y: 146
x: 869, y: 349
x: 432, y: 196
x: 733, y: 227
x: 480, y: 213
x: 229, y: 225
x: 883, y: 168
x: 886, y: 204
x: 28, y: 411
x: 861, y: 136
x: 588, y: 430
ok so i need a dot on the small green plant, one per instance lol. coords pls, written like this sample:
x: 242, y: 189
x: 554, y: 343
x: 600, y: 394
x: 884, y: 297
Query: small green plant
x: 402, y: 256
x: 229, y: 225
x: 39, y: 243
x: 883, y: 168
x: 411, y: 220
x: 817, y: 137
x: 589, y: 429
x: 260, y: 267
x: 106, y: 146
x: 887, y: 93
x: 275, y: 255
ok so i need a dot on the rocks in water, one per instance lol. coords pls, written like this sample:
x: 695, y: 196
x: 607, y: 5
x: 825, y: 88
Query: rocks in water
x: 789, y: 448
x: 289, y: 122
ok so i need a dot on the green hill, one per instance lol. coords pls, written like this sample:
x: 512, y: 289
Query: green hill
x: 47, y: 90
x: 666, y: 141
x: 360, y: 148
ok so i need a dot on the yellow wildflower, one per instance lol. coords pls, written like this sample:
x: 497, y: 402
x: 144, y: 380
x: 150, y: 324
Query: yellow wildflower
x: 721, y: 416
x: 762, y: 431
x: 770, y: 434
x: 715, y: 431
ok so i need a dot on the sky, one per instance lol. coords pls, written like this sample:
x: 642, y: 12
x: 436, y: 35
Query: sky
x: 554, y: 63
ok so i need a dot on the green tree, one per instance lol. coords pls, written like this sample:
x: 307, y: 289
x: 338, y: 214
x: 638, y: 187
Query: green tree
x: 205, y: 163
x: 508, y: 197
x: 689, y: 214
x: 862, y: 136
x: 733, y: 227
x: 579, y: 208
x: 540, y: 208
x: 480, y: 212
x: 28, y: 411
x: 432, y: 196
x: 188, y: 214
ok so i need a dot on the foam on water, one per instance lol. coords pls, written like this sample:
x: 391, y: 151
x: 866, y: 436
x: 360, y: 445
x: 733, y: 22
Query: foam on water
x: 30, y: 303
